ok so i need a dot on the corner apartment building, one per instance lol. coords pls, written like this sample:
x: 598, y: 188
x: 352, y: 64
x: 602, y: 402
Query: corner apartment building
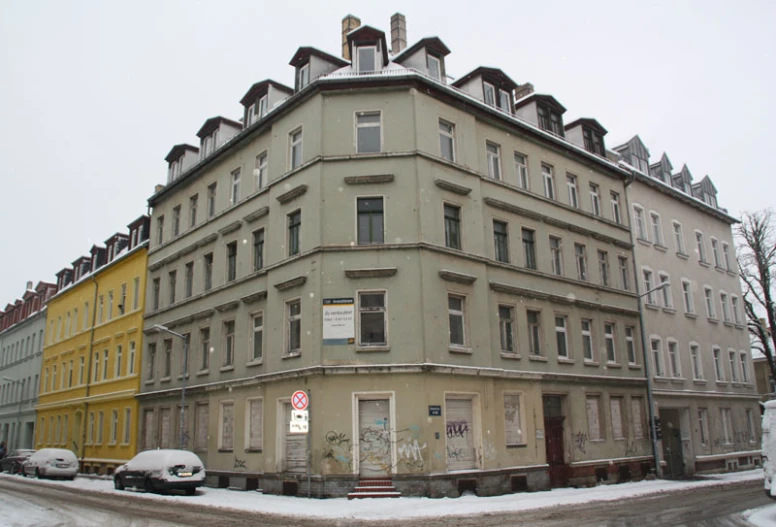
x: 701, y: 365
x: 92, y: 353
x: 446, y: 275
x: 22, y: 324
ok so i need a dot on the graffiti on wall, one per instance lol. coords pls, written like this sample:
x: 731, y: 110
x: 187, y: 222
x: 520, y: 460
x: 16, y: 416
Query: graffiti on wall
x: 375, y: 445
x: 580, y: 441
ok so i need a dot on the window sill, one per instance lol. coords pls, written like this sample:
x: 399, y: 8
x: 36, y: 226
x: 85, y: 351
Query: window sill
x: 713, y: 320
x: 700, y: 382
x: 728, y: 323
x: 165, y: 379
x: 465, y: 351
x: 683, y: 256
x: 591, y: 362
x: 678, y: 380
x: 537, y: 358
x: 722, y: 382
x: 149, y: 382
x: 660, y: 378
x: 519, y: 445
x: 740, y: 326
x: 112, y: 443
x: 649, y: 305
x: 669, y: 310
x: 226, y: 368
x: 633, y: 366
x: 731, y: 273
x: 180, y: 377
x: 253, y: 450
x: 257, y: 362
x: 642, y: 241
x: 225, y: 450
x: 509, y: 355
x: 291, y: 355
x: 200, y: 373
x: 367, y: 349
x: 660, y: 247
x: 704, y: 263
x: 691, y: 315
x: 564, y: 360
x: 610, y: 364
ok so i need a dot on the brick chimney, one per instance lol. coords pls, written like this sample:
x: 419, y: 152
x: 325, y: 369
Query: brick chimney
x: 158, y: 188
x: 524, y: 90
x: 398, y: 33
x: 349, y: 23
x: 29, y: 286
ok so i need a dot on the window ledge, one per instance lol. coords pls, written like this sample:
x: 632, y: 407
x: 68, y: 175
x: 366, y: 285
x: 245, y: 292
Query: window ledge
x: 720, y: 269
x: 253, y: 450
x: 112, y: 443
x: 678, y: 379
x: 564, y: 360
x: 700, y: 381
x: 165, y: 379
x: 149, y: 382
x: 613, y: 364
x: 740, y: 326
x: 592, y: 363
x: 660, y: 378
x: 704, y: 263
x: 200, y: 373
x: 226, y: 450
x: 226, y: 368
x: 456, y: 349
x: 660, y: 247
x: 731, y: 273
x: 257, y: 362
x: 180, y: 377
x: 713, y: 320
x: 691, y: 315
x: 683, y: 256
x: 649, y: 305
x: 367, y: 349
x: 643, y: 241
x: 509, y: 355
x: 292, y: 355
x: 722, y: 382
x: 669, y: 310
x: 728, y: 323
x: 518, y: 445
x: 538, y: 358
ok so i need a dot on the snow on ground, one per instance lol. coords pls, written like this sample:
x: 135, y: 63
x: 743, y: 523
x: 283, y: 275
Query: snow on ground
x: 383, y: 509
x: 762, y: 517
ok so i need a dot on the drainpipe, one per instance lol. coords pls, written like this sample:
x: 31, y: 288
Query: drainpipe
x: 89, y: 370
x: 645, y: 353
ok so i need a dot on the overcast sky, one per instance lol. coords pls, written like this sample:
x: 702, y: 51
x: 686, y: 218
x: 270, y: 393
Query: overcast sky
x: 94, y: 94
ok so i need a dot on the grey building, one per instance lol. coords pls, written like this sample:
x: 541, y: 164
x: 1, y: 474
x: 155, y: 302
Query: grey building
x: 695, y: 329
x: 444, y: 273
x: 21, y: 347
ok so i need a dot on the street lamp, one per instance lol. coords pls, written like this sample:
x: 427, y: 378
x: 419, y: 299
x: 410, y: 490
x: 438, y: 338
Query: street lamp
x: 650, y: 398
x: 19, y: 416
x: 185, y: 338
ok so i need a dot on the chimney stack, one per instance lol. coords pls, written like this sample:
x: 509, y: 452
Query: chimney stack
x: 398, y: 33
x: 349, y: 23
x: 158, y: 188
x: 524, y: 90
x: 29, y: 286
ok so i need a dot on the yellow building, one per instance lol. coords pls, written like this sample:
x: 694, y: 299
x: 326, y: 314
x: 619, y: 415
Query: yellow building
x: 92, y: 353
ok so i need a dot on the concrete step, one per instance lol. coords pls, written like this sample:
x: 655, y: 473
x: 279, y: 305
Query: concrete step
x: 361, y: 495
x: 374, y: 488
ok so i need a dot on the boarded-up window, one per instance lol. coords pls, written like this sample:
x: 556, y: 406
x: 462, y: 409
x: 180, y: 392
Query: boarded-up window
x: 594, y: 417
x: 512, y: 422
x: 255, y: 423
x: 226, y: 437
x: 637, y: 410
x: 148, y: 429
x: 615, y: 404
x: 164, y: 428
x: 461, y: 454
x: 202, y: 416
x: 186, y: 427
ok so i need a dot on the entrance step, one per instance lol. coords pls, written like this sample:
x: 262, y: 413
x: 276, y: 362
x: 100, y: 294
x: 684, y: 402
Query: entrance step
x: 374, y: 488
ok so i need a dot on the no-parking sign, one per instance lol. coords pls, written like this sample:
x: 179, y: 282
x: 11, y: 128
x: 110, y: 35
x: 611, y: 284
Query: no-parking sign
x: 299, y: 400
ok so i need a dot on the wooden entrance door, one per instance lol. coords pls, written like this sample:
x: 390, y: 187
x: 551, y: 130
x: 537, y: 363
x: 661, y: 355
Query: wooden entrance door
x: 553, y: 440
x: 374, y: 438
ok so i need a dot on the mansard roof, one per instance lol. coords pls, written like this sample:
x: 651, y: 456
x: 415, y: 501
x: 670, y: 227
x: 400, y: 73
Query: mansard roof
x: 485, y: 72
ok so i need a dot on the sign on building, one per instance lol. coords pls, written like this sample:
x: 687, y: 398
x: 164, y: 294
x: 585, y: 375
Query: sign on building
x: 338, y: 321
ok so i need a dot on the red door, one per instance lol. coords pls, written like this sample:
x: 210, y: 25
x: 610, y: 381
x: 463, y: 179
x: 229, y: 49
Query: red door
x: 553, y: 438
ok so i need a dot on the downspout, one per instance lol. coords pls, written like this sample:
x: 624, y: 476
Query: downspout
x: 645, y: 354
x: 89, y: 371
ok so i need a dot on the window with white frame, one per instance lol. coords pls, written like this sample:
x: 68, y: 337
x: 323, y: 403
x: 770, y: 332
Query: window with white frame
x: 513, y: 423
x: 700, y: 247
x: 727, y: 425
x: 447, y: 140
x: 719, y: 372
x: 295, y: 149
x: 715, y: 253
x: 369, y: 220
x: 736, y: 312
x: 211, y: 199
x: 689, y: 303
x: 614, y: 198
x: 226, y: 426
x: 750, y: 427
x: 649, y: 286
x: 666, y: 293
x: 260, y: 170
x: 594, y: 418
x: 456, y: 310
x: 711, y: 311
x: 678, y: 237
x: 622, y: 264
x: 505, y: 101
x: 534, y: 319
x: 127, y: 426
x: 657, y: 230
x: 580, y: 256
x: 229, y: 341
x: 695, y: 359
x: 548, y: 179
x: 556, y: 255
x: 114, y: 426
x: 573, y: 190
x: 656, y: 346
x: 744, y: 367
x: 521, y: 168
x: 674, y: 366
x: 703, y: 425
x: 372, y: 318
x: 587, y: 339
x: 452, y: 218
x: 493, y: 152
x: 167, y: 370
x: 726, y: 255
x: 640, y: 222
x: 294, y: 322
x: 254, y: 417
x: 733, y: 363
x: 258, y: 337
x: 611, y: 350
x: 489, y: 93
x: 368, y: 132
x: 234, y: 195
x: 201, y: 421
x: 561, y: 338
x: 618, y: 417
x: 176, y: 223
x: 304, y: 75
x: 630, y: 345
x: 723, y: 300
x: 603, y: 267
x: 506, y: 326
x: 595, y: 199
x: 263, y: 106
x: 119, y: 358
x: 434, y: 67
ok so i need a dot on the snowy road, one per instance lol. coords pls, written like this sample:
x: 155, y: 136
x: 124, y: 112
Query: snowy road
x: 720, y: 501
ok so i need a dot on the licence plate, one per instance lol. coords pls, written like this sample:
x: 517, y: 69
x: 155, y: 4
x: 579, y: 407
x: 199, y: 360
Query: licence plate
x: 184, y: 474
x: 63, y: 465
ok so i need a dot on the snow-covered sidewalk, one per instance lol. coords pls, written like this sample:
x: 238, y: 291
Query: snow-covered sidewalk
x: 425, y: 507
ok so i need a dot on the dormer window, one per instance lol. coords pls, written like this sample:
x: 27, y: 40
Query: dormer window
x: 434, y: 66
x: 209, y: 144
x: 304, y: 76
x: 550, y: 120
x: 504, y: 101
x: 489, y: 94
x: 174, y: 172
x: 252, y: 114
x: 594, y: 141
x: 640, y: 164
x: 366, y: 59
x: 263, y: 103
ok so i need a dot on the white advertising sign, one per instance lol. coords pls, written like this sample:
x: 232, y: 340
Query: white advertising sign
x: 338, y: 321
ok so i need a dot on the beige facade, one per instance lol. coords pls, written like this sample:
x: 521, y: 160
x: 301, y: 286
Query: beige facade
x: 494, y: 340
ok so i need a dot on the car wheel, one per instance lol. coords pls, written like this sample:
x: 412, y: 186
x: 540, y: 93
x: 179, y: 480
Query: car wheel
x: 191, y: 491
x: 117, y: 484
x: 37, y: 473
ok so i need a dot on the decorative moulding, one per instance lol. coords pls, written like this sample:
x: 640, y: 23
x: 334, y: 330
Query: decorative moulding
x: 452, y: 187
x: 207, y: 240
x: 368, y: 180
x: 230, y: 228
x: 289, y: 284
x: 254, y: 297
x: 461, y: 278
x: 255, y: 215
x: 292, y: 194
x: 375, y: 272
x: 229, y: 306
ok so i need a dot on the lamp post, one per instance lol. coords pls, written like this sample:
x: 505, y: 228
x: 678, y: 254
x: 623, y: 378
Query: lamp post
x: 650, y: 398
x: 19, y: 415
x: 184, y: 373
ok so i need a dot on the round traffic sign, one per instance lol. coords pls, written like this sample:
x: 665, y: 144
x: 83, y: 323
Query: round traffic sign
x: 299, y: 400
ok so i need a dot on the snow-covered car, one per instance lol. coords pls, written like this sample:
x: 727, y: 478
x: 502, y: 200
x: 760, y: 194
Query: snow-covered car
x: 164, y: 469
x: 51, y: 463
x: 13, y: 462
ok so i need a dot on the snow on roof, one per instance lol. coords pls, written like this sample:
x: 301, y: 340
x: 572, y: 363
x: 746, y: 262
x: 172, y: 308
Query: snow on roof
x: 155, y: 459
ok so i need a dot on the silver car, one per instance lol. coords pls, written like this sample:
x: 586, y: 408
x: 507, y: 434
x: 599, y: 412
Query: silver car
x: 164, y: 469
x: 51, y: 463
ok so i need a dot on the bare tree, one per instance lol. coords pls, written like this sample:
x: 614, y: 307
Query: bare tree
x: 757, y: 267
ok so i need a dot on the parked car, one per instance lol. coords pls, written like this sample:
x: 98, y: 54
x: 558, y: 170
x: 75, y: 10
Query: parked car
x: 164, y: 469
x: 51, y: 463
x: 13, y: 462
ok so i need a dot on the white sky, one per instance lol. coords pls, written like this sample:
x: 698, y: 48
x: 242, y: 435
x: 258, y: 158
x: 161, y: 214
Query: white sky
x: 94, y: 94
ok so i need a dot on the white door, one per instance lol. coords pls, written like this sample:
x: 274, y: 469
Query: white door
x: 459, y: 432
x: 295, y: 445
x: 374, y: 438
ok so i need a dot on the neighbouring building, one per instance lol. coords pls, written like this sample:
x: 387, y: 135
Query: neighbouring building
x: 92, y: 353
x: 695, y: 328
x: 440, y: 266
x: 766, y: 386
x: 22, y: 324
